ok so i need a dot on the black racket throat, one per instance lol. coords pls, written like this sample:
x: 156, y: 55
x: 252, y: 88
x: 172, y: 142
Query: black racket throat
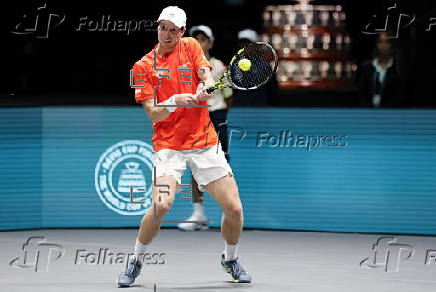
x: 211, y: 89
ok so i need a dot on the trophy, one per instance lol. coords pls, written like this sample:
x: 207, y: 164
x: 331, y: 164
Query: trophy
x: 310, y: 42
x: 276, y: 16
x: 291, y: 67
x: 293, y: 39
x: 276, y: 41
x: 267, y: 17
x: 325, y: 41
x: 338, y: 70
x: 338, y: 41
x: 307, y: 69
x: 324, y: 69
x: 281, y: 72
x: 308, y: 18
x: 324, y: 16
x: 291, y: 17
x: 337, y: 18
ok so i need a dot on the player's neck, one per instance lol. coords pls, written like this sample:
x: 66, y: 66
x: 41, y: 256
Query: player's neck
x: 164, y: 51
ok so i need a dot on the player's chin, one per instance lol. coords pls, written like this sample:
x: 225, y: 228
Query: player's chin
x: 166, y: 43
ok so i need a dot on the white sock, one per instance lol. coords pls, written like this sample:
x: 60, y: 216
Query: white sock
x: 229, y: 251
x: 140, y: 250
x: 198, y: 209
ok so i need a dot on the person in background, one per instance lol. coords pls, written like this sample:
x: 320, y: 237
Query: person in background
x: 380, y: 80
x: 220, y: 103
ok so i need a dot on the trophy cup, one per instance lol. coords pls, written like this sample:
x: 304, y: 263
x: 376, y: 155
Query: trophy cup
x: 310, y: 42
x: 308, y: 18
x: 307, y: 70
x: 338, y: 41
x: 326, y: 41
x: 277, y: 41
x: 325, y: 16
x: 324, y: 69
x: 338, y: 70
x: 267, y: 17
x: 291, y: 17
x: 276, y: 16
x: 293, y: 39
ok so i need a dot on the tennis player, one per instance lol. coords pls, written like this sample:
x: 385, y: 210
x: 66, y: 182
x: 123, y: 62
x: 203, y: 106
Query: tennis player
x: 183, y: 136
x: 219, y: 104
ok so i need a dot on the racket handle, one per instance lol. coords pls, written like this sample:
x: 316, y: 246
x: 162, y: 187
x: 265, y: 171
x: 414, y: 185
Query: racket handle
x: 210, y: 89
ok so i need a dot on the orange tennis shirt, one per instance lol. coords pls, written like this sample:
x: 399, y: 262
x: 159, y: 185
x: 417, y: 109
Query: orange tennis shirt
x: 187, y: 127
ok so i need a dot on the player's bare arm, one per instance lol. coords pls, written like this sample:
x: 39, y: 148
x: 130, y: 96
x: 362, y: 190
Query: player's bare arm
x: 158, y: 113
x: 206, y: 81
x: 205, y: 75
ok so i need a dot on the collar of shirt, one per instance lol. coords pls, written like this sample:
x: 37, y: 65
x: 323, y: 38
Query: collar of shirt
x: 156, y: 48
x: 377, y: 66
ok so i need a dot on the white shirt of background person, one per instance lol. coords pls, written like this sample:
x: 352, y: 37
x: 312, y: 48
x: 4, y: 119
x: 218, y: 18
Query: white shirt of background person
x: 381, y: 73
x: 217, y: 101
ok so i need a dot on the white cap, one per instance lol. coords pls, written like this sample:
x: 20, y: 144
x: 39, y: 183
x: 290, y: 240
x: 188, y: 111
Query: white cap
x: 174, y: 14
x: 248, y: 34
x: 204, y: 29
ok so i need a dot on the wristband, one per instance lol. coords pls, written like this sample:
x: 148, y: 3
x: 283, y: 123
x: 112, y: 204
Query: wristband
x: 171, y: 104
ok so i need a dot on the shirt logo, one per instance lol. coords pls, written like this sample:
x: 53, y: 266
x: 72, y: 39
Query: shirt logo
x: 184, y: 65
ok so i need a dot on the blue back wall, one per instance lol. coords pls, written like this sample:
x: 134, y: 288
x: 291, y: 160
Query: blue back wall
x: 342, y: 170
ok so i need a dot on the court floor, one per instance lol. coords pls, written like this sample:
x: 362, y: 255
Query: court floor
x: 89, y: 260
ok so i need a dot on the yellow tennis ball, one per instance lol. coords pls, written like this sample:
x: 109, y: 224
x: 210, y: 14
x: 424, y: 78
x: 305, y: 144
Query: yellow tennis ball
x: 244, y: 64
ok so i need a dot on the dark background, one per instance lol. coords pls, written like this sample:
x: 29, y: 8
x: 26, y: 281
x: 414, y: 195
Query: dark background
x: 82, y: 67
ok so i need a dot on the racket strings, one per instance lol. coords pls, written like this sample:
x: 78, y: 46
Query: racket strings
x: 263, y: 61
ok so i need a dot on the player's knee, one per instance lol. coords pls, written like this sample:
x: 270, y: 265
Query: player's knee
x: 234, y: 213
x: 162, y: 209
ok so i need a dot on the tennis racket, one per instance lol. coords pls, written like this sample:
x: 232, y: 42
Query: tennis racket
x: 251, y: 67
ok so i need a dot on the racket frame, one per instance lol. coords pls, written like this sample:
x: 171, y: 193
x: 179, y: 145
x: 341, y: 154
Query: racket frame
x: 220, y: 83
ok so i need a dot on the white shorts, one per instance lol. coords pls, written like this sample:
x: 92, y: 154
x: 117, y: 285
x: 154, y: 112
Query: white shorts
x: 207, y: 164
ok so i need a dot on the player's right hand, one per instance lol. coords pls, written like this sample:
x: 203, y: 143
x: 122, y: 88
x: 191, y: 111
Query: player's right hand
x: 202, y: 95
x: 185, y: 99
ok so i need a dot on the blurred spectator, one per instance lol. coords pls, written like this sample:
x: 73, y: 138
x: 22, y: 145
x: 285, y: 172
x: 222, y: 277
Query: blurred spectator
x: 246, y: 36
x: 380, y: 80
x: 265, y: 95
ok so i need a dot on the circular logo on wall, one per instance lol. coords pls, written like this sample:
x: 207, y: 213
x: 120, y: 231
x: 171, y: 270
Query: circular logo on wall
x: 123, y: 167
